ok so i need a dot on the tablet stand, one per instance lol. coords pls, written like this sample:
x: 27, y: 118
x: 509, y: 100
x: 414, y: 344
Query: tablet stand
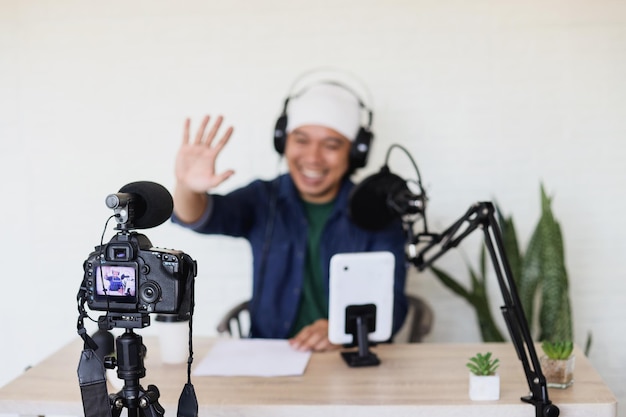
x: 360, y: 321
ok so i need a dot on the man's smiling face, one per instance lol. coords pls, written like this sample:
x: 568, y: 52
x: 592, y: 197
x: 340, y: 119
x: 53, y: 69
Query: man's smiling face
x: 318, y: 158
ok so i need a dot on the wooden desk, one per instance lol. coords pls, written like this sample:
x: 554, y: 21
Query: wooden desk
x: 413, y: 379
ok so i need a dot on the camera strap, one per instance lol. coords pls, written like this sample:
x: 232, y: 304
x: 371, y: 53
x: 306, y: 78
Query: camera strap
x: 92, y: 381
x: 188, y: 402
x: 91, y: 372
x: 80, y: 324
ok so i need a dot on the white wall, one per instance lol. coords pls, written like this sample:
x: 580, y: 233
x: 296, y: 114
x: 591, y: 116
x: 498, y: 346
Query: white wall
x: 491, y: 98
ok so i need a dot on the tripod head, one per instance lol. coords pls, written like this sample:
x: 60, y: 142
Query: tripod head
x: 130, y: 368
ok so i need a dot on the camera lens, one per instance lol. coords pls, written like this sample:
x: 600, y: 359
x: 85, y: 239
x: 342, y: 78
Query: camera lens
x: 150, y: 292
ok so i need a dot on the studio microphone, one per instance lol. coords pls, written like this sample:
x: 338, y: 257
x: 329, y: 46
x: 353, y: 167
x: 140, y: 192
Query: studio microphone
x: 381, y: 198
x: 141, y: 205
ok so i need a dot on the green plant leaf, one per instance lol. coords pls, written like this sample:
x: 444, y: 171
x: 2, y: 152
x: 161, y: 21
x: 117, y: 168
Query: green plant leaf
x: 451, y: 283
x: 511, y: 247
x: 483, y: 264
x: 555, y: 314
x: 530, y: 275
x: 482, y: 364
x: 477, y: 298
x: 559, y: 350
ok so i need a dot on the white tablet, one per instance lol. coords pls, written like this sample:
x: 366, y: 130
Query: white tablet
x: 359, y: 279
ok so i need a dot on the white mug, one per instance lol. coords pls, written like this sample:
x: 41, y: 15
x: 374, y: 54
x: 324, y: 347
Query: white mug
x: 173, y: 338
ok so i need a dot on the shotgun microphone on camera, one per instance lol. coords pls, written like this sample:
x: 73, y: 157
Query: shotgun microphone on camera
x: 141, y: 205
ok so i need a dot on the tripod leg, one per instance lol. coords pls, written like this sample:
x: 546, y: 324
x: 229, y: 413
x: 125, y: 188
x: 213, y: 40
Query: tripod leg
x: 150, y: 399
x: 146, y: 404
x: 116, y: 410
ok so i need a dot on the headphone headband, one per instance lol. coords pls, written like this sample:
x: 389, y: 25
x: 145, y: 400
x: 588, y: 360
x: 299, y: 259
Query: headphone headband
x: 347, y: 88
x: 360, y: 144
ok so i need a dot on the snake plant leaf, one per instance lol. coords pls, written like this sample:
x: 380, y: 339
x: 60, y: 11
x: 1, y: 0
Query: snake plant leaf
x: 511, y: 247
x: 531, y: 275
x: 541, y: 271
x: 477, y: 298
x: 479, y: 283
x: 480, y: 301
x: 483, y: 265
x: 451, y: 283
x: 476, y: 281
x: 555, y: 315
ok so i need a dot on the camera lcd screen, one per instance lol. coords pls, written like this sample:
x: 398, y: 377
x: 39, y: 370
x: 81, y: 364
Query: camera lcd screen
x: 116, y: 281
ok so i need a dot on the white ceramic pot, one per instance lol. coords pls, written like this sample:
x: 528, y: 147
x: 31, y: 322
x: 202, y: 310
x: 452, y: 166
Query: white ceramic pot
x: 484, y: 388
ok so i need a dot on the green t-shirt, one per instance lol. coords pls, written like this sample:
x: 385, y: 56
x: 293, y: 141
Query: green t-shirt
x: 313, y: 302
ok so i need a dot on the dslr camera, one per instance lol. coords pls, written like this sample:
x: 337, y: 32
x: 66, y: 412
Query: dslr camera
x: 129, y: 275
x: 129, y: 279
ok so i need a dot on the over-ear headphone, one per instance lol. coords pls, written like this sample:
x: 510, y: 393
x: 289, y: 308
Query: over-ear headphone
x: 360, y: 145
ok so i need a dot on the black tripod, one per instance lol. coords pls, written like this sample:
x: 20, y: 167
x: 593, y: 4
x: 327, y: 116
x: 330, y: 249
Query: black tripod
x: 130, y: 367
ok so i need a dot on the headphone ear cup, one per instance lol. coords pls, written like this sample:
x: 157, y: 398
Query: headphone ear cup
x: 280, y: 134
x: 360, y: 148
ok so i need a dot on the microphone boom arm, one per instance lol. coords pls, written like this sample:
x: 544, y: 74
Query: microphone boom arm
x: 481, y: 215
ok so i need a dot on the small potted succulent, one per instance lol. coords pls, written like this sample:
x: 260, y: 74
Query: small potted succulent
x: 558, y: 363
x: 484, y: 382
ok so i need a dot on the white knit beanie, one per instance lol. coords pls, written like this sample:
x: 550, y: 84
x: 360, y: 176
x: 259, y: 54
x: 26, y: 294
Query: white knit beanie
x: 327, y: 105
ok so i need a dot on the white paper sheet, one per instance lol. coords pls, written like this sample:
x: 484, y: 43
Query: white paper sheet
x: 252, y: 357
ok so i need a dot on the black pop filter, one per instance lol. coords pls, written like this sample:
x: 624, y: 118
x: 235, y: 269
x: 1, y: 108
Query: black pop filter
x: 153, y: 204
x: 372, y: 203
